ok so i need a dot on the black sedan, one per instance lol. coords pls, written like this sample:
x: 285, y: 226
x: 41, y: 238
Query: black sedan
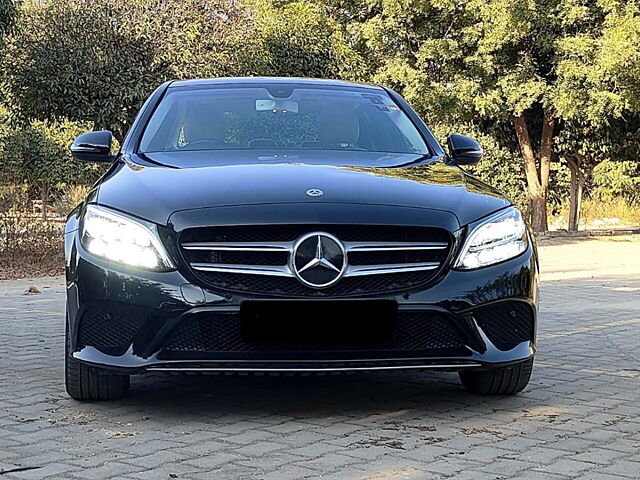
x: 276, y: 225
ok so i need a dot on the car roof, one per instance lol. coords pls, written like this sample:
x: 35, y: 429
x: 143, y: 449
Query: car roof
x: 269, y: 80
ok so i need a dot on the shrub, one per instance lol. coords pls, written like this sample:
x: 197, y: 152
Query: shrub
x: 613, y: 212
x: 37, y: 155
x: 14, y: 198
x: 30, y: 247
x: 69, y: 199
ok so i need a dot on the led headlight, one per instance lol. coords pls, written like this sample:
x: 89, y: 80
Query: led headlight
x: 498, y: 238
x: 122, y: 239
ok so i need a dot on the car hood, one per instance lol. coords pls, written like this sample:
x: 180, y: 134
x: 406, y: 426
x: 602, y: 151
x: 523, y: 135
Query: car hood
x: 155, y: 192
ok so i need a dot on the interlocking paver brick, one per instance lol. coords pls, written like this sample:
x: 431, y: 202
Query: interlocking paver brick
x: 578, y: 418
x: 59, y: 470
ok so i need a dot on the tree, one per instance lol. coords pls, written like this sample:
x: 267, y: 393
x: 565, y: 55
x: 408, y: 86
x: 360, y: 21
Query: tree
x: 584, y: 145
x: 499, y: 63
x: 598, y: 96
x: 98, y: 61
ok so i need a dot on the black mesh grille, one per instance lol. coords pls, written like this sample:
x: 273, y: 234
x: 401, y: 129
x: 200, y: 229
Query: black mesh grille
x: 287, y: 286
x: 221, y: 332
x: 377, y: 258
x: 506, y: 324
x: 246, y: 258
x: 109, y: 330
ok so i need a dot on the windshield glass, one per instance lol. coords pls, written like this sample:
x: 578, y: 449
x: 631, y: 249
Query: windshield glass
x: 281, y: 117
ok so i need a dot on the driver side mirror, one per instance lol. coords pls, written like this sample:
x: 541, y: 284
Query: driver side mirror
x: 93, y: 147
x: 464, y: 150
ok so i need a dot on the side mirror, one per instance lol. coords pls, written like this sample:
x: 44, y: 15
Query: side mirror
x: 464, y: 150
x: 93, y: 147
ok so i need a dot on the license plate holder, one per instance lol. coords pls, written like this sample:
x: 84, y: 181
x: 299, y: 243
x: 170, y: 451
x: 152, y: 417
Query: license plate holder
x: 318, y: 321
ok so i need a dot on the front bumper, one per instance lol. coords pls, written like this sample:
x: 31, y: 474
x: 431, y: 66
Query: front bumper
x: 491, y: 311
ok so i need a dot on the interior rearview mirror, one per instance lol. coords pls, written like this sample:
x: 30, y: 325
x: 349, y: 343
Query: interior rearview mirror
x: 93, y: 147
x: 277, y: 106
x: 464, y: 150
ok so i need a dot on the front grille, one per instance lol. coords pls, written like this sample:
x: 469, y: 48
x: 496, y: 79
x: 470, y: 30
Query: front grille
x: 426, y: 332
x: 256, y: 258
x: 111, y: 330
x: 506, y: 324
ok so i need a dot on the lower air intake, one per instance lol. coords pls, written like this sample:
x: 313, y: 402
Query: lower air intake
x: 506, y: 324
x: 110, y: 330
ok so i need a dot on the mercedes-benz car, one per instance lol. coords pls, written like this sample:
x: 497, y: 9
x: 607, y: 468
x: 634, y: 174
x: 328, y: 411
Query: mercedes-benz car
x: 274, y: 225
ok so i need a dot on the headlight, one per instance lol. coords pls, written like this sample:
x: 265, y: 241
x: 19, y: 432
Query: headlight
x: 499, y: 238
x: 122, y: 239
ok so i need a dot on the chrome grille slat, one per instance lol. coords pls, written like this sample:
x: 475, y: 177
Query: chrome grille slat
x: 271, y: 270
x: 240, y: 246
x: 359, y: 270
x: 288, y: 246
x: 285, y: 271
x: 392, y: 246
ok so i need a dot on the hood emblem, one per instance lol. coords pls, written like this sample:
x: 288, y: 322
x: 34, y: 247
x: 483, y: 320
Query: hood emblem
x: 319, y: 260
x: 315, y: 192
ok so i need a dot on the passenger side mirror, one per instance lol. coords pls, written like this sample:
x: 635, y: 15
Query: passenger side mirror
x: 464, y: 150
x: 93, y: 147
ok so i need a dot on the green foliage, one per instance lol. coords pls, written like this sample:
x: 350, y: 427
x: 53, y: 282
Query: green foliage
x: 500, y: 167
x: 69, y: 198
x: 287, y: 130
x: 14, y: 198
x: 493, y: 59
x: 616, y: 179
x: 559, y: 188
x: 38, y: 156
x: 617, y: 138
x: 467, y: 67
x: 574, y: 64
x: 98, y: 61
x: 8, y: 15
x: 298, y: 40
x: 599, y: 64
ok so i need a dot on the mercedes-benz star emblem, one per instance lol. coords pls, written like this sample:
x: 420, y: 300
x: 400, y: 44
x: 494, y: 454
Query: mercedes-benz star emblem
x: 315, y: 192
x: 319, y: 259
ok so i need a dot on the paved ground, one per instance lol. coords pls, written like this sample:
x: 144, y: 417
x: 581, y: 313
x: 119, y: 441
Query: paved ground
x: 579, y: 417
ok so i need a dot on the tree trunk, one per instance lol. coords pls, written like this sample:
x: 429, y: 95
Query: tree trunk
x: 575, y: 202
x: 576, y: 187
x: 537, y: 183
x: 546, y: 147
x: 44, y: 197
x: 538, y: 207
x: 117, y: 134
x: 120, y: 133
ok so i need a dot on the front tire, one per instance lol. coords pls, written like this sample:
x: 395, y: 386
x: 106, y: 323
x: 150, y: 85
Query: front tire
x: 498, y: 381
x: 83, y: 383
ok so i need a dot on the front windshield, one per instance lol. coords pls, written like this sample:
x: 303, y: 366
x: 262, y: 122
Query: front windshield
x: 281, y: 117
